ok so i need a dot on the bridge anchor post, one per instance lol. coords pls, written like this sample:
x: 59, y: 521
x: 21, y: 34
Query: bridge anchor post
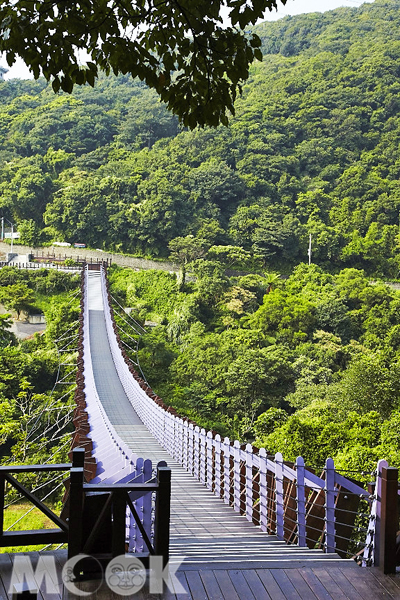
x: 389, y: 520
x: 162, y: 514
x: 76, y: 502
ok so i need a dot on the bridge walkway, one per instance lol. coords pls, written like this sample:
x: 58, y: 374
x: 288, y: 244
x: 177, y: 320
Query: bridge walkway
x: 216, y: 544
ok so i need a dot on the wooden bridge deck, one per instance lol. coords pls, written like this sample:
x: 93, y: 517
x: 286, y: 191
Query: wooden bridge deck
x: 224, y: 556
x: 327, y: 582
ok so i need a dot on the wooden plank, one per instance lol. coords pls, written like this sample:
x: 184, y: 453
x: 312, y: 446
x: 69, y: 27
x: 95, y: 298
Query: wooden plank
x: 300, y: 585
x: 35, y: 468
x: 34, y: 536
x: 211, y: 585
x: 256, y: 585
x: 344, y: 584
x: 143, y: 594
x: 389, y: 583
x: 128, y: 487
x: 393, y: 578
x: 60, y: 557
x: 329, y: 584
x: 30, y: 580
x: 96, y: 589
x: 5, y: 573
x: 181, y: 576
x: 44, y: 592
x: 270, y: 584
x: 285, y: 584
x: 195, y: 585
x: 226, y: 585
x: 318, y: 589
x: 240, y: 584
x: 367, y: 585
x: 34, y: 558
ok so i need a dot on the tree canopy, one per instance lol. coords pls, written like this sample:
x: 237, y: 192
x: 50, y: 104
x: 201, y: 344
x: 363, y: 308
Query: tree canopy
x: 181, y: 49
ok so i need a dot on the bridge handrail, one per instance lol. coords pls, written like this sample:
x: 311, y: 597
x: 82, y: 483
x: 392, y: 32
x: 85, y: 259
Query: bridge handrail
x: 99, y: 424
x: 121, y: 498
x: 288, y: 500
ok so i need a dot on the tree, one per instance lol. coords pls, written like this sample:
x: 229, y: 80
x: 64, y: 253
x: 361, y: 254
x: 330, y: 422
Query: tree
x: 16, y: 297
x: 184, y: 250
x: 6, y: 337
x: 271, y: 279
x: 29, y: 233
x: 229, y: 255
x: 182, y: 50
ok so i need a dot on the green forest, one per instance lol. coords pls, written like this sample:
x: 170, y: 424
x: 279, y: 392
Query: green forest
x: 35, y: 413
x: 250, y: 340
x: 312, y: 149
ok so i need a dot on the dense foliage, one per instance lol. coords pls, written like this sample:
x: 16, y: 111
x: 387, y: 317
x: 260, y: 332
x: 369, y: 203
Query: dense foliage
x: 312, y: 150
x: 36, y: 414
x: 308, y: 365
x: 195, y: 55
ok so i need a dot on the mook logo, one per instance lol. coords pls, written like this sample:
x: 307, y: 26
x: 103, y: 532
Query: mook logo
x: 125, y: 575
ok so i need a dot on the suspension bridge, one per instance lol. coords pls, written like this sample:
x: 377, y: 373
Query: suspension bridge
x: 241, y: 524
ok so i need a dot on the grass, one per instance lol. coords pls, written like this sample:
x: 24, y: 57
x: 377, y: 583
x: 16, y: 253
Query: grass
x: 33, y: 520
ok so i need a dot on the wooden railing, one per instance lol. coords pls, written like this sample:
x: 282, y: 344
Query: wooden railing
x: 95, y: 516
x: 98, y: 515
x: 30, y: 537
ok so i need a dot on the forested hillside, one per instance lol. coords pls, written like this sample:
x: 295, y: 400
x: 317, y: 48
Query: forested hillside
x: 313, y: 148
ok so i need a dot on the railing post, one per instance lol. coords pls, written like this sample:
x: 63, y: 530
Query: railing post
x: 76, y: 500
x: 118, y: 522
x: 179, y: 423
x: 2, y: 494
x: 185, y: 445
x: 389, y: 520
x: 217, y: 476
x: 190, y: 466
x: 301, y: 505
x: 330, y: 506
x: 227, y: 478
x: 210, y: 475
x: 203, y: 456
x: 196, y: 453
x: 147, y: 498
x: 249, y: 482
x: 236, y: 475
x: 375, y: 518
x: 279, y: 494
x: 162, y: 514
x: 263, y: 489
